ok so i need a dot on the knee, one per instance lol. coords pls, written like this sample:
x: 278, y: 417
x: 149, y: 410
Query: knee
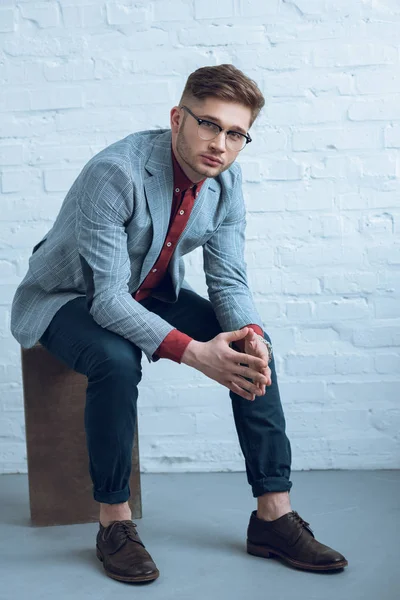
x: 120, y: 361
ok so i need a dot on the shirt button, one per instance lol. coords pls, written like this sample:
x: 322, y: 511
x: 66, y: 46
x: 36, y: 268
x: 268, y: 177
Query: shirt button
x: 181, y: 212
x: 177, y: 190
x: 154, y: 271
x: 169, y: 244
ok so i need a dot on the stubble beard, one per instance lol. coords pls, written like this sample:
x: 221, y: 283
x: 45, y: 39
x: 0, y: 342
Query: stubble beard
x: 187, y: 155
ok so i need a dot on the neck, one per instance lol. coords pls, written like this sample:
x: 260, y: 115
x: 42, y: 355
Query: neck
x: 190, y: 174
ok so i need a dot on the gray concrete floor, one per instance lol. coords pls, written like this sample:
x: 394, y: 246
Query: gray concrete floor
x: 194, y: 525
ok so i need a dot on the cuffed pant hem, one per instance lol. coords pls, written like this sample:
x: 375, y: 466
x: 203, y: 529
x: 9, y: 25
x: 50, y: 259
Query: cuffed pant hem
x: 112, y: 497
x: 271, y: 484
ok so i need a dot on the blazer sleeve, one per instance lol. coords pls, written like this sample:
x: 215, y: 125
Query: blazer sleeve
x: 104, y: 205
x: 226, y: 270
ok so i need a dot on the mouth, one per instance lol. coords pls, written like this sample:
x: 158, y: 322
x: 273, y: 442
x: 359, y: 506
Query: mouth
x: 211, y: 160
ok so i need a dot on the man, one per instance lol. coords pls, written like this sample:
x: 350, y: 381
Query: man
x: 107, y: 283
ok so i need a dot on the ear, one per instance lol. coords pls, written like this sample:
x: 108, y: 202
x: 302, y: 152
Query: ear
x: 175, y: 118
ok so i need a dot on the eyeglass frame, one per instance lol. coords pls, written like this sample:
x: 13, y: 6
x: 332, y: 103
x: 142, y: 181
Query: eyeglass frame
x: 200, y: 121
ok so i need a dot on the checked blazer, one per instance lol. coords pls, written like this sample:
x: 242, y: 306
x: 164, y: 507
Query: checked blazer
x: 109, y: 232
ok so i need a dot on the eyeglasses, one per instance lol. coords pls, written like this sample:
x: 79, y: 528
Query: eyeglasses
x: 207, y: 130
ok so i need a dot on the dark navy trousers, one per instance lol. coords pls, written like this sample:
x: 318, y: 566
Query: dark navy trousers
x: 112, y: 365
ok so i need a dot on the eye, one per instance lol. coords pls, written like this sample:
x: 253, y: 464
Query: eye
x: 234, y: 135
x: 209, y: 125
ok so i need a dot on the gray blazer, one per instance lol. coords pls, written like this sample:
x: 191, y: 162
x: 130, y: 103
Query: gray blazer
x: 109, y: 233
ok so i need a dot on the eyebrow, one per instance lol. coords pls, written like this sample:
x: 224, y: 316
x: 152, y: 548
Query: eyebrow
x: 233, y: 128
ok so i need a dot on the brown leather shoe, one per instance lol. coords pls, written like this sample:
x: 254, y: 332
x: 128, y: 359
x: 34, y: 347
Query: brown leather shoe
x: 292, y: 539
x: 123, y: 553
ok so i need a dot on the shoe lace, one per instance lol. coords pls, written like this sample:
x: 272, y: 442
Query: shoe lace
x: 297, y: 518
x: 124, y: 530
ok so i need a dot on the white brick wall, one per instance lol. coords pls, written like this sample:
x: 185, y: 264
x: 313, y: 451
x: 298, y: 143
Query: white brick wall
x: 321, y: 184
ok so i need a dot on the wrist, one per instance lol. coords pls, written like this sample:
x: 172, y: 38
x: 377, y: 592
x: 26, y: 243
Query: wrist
x: 189, y: 357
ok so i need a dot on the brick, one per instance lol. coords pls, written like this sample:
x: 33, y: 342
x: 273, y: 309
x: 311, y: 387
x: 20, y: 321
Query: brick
x: 125, y: 14
x: 300, y: 112
x: 208, y: 9
x: 384, y: 254
x: 265, y: 196
x: 147, y: 40
x: 342, y: 309
x: 312, y: 364
x: 326, y: 254
x: 350, y: 138
x: 318, y: 335
x: 304, y: 392
x: 17, y: 99
x: 385, y: 81
x: 162, y: 422
x: 59, y: 180
x: 7, y: 269
x: 387, y: 363
x: 375, y: 109
x: 330, y: 54
x: 180, y: 11
x: 379, y: 164
x: 376, y: 336
x: 392, y: 136
x: 264, y: 282
x: 221, y: 35
x: 387, y: 308
x: 312, y: 195
x: 211, y: 424
x: 62, y: 97
x: 101, y: 121
x: 21, y: 235
x: 7, y: 20
x: 298, y: 311
x: 298, y: 283
x: 278, y: 226
x: 82, y: 16
x: 127, y: 95
x: 281, y: 170
x: 269, y: 311
x: 327, y: 226
x: 11, y: 154
x: 249, y: 8
x: 341, y: 167
x: 53, y: 153
x: 21, y: 180
x: 251, y: 171
x: 300, y: 83
x: 42, y: 14
x: 350, y: 283
x: 371, y: 395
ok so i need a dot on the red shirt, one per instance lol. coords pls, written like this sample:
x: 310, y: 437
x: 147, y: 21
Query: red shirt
x: 184, y: 196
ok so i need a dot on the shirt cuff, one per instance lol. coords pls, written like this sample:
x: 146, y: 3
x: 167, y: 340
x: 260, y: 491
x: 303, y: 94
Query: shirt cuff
x: 173, y: 346
x: 239, y: 344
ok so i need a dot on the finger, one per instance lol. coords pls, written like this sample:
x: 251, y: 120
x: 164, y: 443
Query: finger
x: 255, y: 376
x: 247, y: 385
x: 238, y: 390
x: 252, y: 361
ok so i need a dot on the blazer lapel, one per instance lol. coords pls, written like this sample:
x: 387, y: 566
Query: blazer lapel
x: 159, y: 190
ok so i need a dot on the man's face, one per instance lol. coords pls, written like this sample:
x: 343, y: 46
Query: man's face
x: 194, y: 154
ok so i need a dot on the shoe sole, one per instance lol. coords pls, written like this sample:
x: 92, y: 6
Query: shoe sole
x: 266, y: 552
x: 139, y: 579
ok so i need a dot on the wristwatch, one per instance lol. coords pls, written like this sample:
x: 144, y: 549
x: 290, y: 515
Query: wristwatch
x: 267, y: 343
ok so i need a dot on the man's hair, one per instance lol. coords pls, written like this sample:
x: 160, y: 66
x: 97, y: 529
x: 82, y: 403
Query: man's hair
x: 225, y: 82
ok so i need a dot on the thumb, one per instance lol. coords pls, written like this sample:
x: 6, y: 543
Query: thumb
x: 239, y: 334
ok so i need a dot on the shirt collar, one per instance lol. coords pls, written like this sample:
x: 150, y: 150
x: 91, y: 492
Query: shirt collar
x: 181, y: 181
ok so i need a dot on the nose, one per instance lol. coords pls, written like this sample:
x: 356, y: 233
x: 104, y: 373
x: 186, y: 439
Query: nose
x: 219, y: 142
